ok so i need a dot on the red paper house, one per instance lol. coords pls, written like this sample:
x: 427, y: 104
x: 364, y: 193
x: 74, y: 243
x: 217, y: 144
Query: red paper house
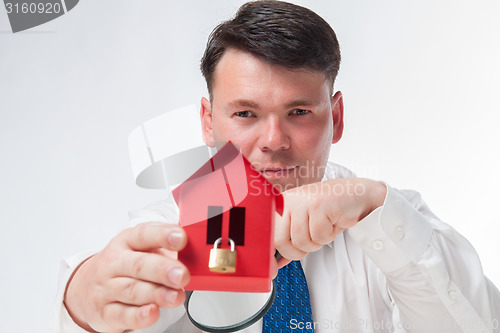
x: 228, y: 198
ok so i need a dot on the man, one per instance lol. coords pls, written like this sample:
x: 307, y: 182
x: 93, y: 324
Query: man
x: 376, y: 259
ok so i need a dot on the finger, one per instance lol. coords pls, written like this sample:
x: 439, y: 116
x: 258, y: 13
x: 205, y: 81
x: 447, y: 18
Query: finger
x: 299, y: 231
x: 274, y: 268
x: 282, y: 240
x: 321, y: 228
x: 136, y: 292
x: 153, y: 235
x: 337, y: 230
x: 282, y: 262
x: 128, y: 317
x: 281, y: 230
x: 152, y: 267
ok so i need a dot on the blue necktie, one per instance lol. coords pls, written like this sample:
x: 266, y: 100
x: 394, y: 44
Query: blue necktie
x: 291, y: 308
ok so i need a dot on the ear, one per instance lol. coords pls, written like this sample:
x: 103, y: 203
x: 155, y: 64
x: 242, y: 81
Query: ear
x: 337, y: 116
x: 206, y: 122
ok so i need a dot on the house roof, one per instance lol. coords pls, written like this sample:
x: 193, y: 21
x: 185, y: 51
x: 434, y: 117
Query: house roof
x: 224, y: 179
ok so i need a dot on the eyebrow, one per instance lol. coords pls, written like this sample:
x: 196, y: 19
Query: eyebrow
x: 301, y: 102
x: 244, y: 103
x: 251, y: 104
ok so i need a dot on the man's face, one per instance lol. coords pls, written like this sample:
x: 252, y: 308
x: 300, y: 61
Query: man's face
x: 283, y: 121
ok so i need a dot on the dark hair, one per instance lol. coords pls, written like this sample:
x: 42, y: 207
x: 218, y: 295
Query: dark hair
x: 279, y: 33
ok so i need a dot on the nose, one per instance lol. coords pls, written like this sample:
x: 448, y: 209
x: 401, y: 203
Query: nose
x: 274, y: 136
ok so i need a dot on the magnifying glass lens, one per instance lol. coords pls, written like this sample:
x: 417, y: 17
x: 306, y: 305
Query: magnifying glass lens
x: 218, y: 311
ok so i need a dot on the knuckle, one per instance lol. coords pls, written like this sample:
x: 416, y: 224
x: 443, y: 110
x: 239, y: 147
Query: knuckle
x: 140, y: 232
x: 159, y: 296
x: 315, y: 202
x: 96, y: 302
x: 124, y: 234
x: 130, y: 290
x: 110, y: 261
x: 322, y: 236
x: 104, y: 313
x: 122, y: 317
x: 137, y: 266
x: 107, y: 256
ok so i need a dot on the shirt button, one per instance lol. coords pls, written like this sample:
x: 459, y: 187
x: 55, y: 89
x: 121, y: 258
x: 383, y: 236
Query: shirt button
x: 399, y: 232
x: 452, y: 295
x: 378, y: 245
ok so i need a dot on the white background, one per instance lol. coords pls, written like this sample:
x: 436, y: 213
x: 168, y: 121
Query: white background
x: 420, y: 81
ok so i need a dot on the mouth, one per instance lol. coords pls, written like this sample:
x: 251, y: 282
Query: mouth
x: 277, y: 172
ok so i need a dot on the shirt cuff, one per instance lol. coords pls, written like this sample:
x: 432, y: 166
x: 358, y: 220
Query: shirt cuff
x: 394, y: 234
x: 62, y: 321
x: 66, y: 323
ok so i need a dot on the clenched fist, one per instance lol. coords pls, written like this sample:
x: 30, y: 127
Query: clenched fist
x: 315, y: 213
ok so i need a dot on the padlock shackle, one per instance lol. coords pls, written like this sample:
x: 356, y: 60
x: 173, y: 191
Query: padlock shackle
x: 219, y: 241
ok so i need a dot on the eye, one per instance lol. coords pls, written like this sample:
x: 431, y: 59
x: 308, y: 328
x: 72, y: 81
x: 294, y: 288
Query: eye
x: 243, y: 114
x: 299, y: 112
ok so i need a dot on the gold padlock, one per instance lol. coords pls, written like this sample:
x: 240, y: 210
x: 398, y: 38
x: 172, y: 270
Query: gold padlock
x: 222, y: 260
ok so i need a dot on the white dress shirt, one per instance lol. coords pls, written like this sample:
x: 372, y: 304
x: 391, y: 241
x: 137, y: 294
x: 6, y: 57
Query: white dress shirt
x: 400, y: 269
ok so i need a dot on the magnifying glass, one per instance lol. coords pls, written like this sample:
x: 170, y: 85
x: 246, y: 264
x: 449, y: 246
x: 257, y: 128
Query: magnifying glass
x: 220, y: 311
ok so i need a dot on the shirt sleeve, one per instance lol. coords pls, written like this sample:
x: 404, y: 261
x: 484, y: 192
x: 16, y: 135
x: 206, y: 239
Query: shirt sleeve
x: 161, y: 211
x: 62, y: 321
x: 434, y: 275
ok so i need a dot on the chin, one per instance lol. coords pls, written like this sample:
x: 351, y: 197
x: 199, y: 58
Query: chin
x: 286, y: 184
